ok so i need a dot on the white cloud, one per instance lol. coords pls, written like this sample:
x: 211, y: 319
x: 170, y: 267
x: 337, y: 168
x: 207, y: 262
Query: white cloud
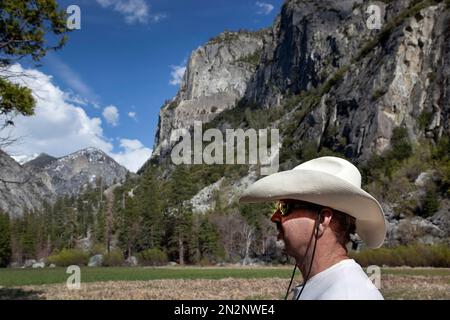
x: 133, y: 10
x: 177, y: 74
x: 60, y: 127
x: 135, y: 154
x: 76, y: 99
x: 158, y: 16
x: 264, y: 7
x: 111, y: 115
x: 72, y: 79
x: 132, y: 115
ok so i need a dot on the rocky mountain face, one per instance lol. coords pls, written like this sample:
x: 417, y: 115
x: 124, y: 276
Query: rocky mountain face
x: 405, y: 70
x: 338, y: 84
x: 309, y: 40
x: 20, y: 188
x: 70, y: 174
x: 46, y: 177
x: 216, y: 78
x: 406, y: 73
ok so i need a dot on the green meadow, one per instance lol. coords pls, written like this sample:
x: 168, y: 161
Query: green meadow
x: 23, y: 277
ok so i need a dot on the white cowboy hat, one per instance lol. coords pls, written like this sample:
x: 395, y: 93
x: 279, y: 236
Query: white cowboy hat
x: 327, y: 181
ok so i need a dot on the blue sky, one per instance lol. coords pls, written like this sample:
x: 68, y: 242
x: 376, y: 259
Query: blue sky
x: 123, y: 56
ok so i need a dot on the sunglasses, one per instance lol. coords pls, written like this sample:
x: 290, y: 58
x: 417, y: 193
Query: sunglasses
x: 286, y: 207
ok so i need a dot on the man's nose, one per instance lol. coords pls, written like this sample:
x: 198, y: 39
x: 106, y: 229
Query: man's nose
x: 276, y: 217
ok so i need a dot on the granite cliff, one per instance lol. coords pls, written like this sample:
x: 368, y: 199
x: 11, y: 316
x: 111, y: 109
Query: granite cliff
x: 329, y: 82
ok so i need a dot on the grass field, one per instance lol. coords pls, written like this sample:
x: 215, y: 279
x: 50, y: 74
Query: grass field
x: 21, y: 277
x: 200, y: 283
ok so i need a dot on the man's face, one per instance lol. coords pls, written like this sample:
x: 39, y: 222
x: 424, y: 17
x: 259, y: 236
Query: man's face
x: 295, y: 230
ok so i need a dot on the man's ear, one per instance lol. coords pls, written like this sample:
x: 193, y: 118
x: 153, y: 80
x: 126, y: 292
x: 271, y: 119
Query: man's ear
x: 325, y: 219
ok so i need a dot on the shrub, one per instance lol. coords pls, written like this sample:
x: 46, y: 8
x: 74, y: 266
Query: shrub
x: 337, y: 77
x: 253, y: 58
x: 68, y: 257
x: 407, y: 206
x: 378, y: 94
x: 172, y: 105
x: 441, y: 151
x: 424, y: 119
x: 431, y: 203
x: 416, y: 255
x: 153, y: 257
x: 443, y: 170
x: 292, y: 101
x: 401, y: 145
x: 113, y: 259
x: 97, y: 248
x: 204, y: 262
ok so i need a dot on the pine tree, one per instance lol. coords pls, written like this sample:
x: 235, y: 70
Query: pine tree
x: 5, y: 240
x: 49, y: 227
x: 194, y: 244
x: 58, y: 218
x: 129, y: 224
x: 208, y: 240
x: 182, y: 230
x: 179, y: 210
x: 149, y: 208
x: 100, y: 224
x: 81, y: 209
x: 109, y: 219
x: 28, y: 239
x: 71, y: 228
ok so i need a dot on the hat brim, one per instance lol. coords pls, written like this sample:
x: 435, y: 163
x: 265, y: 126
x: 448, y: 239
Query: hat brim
x: 326, y: 190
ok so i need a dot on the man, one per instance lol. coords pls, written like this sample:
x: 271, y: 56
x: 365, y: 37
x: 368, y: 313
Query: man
x: 320, y: 204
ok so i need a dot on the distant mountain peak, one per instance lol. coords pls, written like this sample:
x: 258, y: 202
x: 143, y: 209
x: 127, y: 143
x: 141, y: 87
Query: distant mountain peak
x: 91, y: 149
x: 52, y: 177
x: 92, y: 154
x: 88, y: 150
x: 71, y: 173
x: 41, y: 160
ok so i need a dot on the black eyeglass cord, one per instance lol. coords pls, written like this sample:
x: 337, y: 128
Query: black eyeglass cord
x: 290, y: 283
x: 304, y: 258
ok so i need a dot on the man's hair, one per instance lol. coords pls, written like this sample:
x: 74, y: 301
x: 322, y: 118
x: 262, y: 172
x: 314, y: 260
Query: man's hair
x: 346, y: 226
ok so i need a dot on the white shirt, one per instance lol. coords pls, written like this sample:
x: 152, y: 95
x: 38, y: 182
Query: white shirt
x: 345, y: 280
